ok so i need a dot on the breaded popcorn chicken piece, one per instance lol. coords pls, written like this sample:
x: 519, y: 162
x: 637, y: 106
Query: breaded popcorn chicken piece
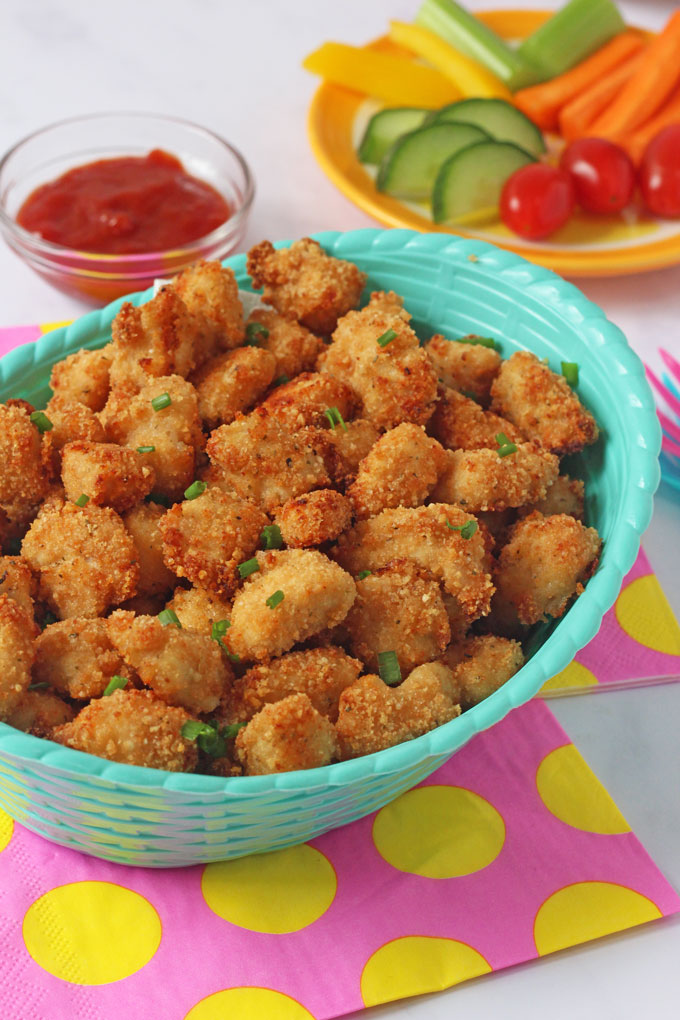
x: 39, y: 712
x: 481, y: 665
x: 401, y: 469
x: 205, y: 539
x: 294, y: 347
x: 210, y: 292
x: 431, y: 537
x: 346, y: 448
x: 398, y: 608
x: 545, y: 563
x: 76, y: 658
x: 467, y: 367
x: 17, y: 653
x: 483, y: 480
x: 181, y: 666
x: 70, y: 421
x: 83, y: 378
x: 142, y: 524
x: 462, y: 424
x: 17, y: 581
x: 303, y: 283
x: 295, y: 594
x: 23, y: 479
x: 132, y: 727
x: 262, y: 460
x: 320, y: 673
x: 317, y: 517
x: 374, y: 716
x: 286, y: 735
x: 542, y: 404
x: 174, y: 431
x: 305, y: 400
x: 565, y: 496
x: 108, y: 474
x: 198, y: 609
x: 85, y: 559
x: 231, y: 383
x: 395, y: 379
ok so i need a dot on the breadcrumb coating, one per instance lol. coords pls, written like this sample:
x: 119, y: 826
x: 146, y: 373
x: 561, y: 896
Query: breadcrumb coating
x: 232, y: 383
x: 17, y: 653
x: 132, y: 727
x: 565, y: 496
x: 17, y: 581
x: 483, y: 480
x: 346, y: 448
x: 38, y: 712
x: 198, y: 609
x: 83, y: 378
x: 305, y: 400
x: 542, y: 404
x: 23, y: 479
x: 287, y: 735
x: 481, y: 665
x: 294, y: 347
x: 108, y: 474
x: 76, y: 658
x: 71, y: 421
x: 142, y: 523
x: 317, y: 517
x: 303, y: 283
x: 210, y: 292
x: 460, y: 423
x: 467, y: 367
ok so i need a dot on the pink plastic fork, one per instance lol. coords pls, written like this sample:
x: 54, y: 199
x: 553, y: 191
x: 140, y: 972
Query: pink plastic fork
x: 671, y: 442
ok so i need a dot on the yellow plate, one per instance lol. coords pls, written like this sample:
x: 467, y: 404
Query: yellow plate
x: 586, y: 246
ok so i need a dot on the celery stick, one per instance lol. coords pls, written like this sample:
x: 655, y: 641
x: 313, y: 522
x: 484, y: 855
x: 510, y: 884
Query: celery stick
x: 470, y: 36
x: 571, y: 35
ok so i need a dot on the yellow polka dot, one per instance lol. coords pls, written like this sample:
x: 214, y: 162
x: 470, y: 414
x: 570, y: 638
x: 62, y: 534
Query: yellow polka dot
x: 439, y: 832
x: 589, y: 910
x: 573, y: 793
x: 644, y: 613
x: 417, y: 964
x: 573, y: 675
x: 47, y: 327
x: 6, y: 829
x: 91, y: 933
x: 248, y: 1004
x: 276, y: 893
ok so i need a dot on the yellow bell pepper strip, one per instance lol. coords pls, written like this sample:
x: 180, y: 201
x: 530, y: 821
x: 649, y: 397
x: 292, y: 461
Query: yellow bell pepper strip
x: 468, y: 75
x: 395, y: 79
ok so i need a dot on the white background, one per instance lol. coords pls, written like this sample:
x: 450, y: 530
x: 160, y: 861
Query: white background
x: 235, y: 68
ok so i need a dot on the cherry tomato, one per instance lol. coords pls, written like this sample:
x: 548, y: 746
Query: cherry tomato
x: 602, y: 172
x: 536, y: 200
x: 660, y: 173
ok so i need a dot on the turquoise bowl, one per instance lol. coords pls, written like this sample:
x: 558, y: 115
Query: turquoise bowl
x: 140, y: 816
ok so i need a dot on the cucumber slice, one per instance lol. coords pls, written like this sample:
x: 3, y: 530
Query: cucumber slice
x: 500, y: 119
x: 385, y: 127
x: 409, y: 168
x: 474, y: 177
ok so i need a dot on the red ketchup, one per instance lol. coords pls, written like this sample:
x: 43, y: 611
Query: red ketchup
x: 125, y: 206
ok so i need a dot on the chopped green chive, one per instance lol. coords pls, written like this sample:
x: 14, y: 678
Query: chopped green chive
x: 335, y: 418
x: 41, y: 421
x: 362, y: 574
x: 254, y: 332
x: 43, y: 685
x: 248, y: 567
x: 386, y: 338
x: 168, y: 617
x: 219, y: 629
x: 479, y: 341
x: 158, y: 497
x: 505, y: 447
x: 195, y: 490
x: 271, y: 537
x: 280, y: 380
x: 275, y: 599
x: 467, y: 530
x: 231, y: 731
x: 388, y: 668
x: 161, y: 401
x: 145, y: 449
x: 116, y: 683
x: 207, y: 736
x: 570, y: 372
x: 82, y: 500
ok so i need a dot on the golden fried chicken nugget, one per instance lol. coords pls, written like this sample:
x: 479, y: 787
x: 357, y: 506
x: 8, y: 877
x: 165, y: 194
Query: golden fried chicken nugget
x: 142, y: 524
x: 378, y: 355
x: 18, y: 582
x: 206, y: 538
x: 70, y: 421
x: 306, y: 399
x: 294, y: 347
x: 210, y: 292
x: 38, y: 712
x: 85, y: 559
x: 346, y: 448
x: 303, y: 283
x: 320, y: 673
x: 181, y: 666
x: 481, y: 665
x: 198, y: 609
x: 374, y: 716
x: 464, y: 365
x: 162, y: 422
x: 398, y: 608
x: 401, y: 469
x: 565, y: 496
x: 83, y: 378
x: 76, y: 658
x: 432, y: 537
x: 17, y: 631
x: 484, y: 480
x: 295, y: 594
x: 284, y: 736
x: 132, y: 727
x: 542, y: 404
x: 262, y: 460
x: 23, y: 478
x: 462, y: 424
x: 545, y: 563
x: 231, y: 383
x: 108, y: 474
x: 317, y: 517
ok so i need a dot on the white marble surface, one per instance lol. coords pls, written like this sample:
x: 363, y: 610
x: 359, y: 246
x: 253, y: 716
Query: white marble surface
x: 236, y: 69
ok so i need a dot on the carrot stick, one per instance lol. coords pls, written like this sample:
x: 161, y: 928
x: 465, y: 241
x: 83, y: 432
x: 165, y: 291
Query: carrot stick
x: 542, y: 103
x: 578, y: 114
x: 636, y: 143
x: 648, y: 89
